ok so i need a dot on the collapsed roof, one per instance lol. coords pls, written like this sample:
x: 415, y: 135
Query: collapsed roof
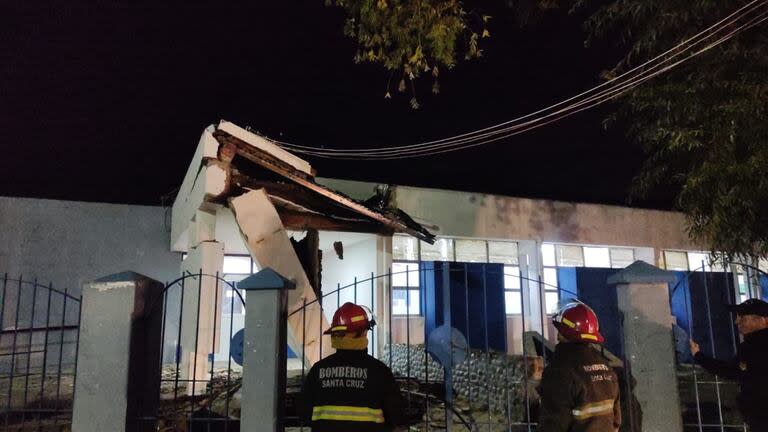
x: 231, y: 160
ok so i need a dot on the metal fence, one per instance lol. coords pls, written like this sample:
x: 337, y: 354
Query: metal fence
x: 493, y: 385
x: 199, y: 376
x: 38, y: 354
x: 708, y: 401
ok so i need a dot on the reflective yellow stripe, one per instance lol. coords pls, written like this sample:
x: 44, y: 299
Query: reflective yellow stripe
x: 338, y: 328
x: 348, y: 413
x: 567, y: 322
x: 593, y: 410
x: 358, y: 318
x: 589, y: 336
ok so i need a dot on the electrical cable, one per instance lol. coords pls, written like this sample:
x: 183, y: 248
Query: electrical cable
x: 614, y: 89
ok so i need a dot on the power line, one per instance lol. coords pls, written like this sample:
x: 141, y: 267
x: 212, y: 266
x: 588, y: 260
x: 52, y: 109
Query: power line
x: 536, y: 124
x: 610, y: 90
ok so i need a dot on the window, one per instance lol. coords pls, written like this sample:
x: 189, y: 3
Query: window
x: 503, y: 252
x: 471, y: 251
x: 675, y: 260
x: 692, y: 261
x: 597, y: 257
x: 569, y: 256
x: 407, y: 252
x: 406, y: 297
x: 405, y: 248
x: 743, y: 287
x: 621, y: 258
x: 513, y: 299
x: 237, y: 264
x: 554, y: 256
x: 235, y: 269
x: 442, y: 250
x: 551, y: 289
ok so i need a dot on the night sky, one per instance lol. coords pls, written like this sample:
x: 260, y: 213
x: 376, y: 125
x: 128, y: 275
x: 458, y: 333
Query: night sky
x: 106, y: 103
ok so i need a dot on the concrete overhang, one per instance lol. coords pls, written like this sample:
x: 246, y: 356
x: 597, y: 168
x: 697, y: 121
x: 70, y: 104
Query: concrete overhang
x: 230, y: 161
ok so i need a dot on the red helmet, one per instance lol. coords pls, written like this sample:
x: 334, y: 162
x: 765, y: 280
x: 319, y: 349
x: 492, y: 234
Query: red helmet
x: 577, y: 322
x: 351, y: 318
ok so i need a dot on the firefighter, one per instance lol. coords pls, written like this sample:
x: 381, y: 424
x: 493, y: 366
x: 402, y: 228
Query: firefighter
x: 351, y: 390
x: 579, y: 391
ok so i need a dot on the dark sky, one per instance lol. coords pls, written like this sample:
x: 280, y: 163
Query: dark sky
x: 106, y: 102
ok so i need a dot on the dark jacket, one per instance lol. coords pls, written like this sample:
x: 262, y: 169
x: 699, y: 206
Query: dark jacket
x: 579, y: 392
x: 351, y: 391
x: 750, y: 368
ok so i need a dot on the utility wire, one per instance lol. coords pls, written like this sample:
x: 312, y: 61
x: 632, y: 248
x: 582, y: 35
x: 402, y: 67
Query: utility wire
x: 611, y: 89
x: 719, y: 25
x: 536, y: 124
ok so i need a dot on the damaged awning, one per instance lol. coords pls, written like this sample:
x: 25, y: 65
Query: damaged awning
x: 255, y: 163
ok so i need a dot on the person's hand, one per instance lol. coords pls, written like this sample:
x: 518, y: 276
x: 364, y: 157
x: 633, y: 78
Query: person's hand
x: 694, y: 346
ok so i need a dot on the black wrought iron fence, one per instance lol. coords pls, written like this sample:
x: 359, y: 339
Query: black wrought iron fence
x: 196, y: 381
x: 708, y: 402
x: 38, y: 354
x: 495, y: 385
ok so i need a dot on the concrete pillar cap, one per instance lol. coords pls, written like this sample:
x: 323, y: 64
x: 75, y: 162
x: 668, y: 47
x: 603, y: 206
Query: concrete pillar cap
x: 266, y: 279
x: 641, y: 272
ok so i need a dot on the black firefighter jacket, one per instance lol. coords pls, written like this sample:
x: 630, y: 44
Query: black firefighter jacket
x: 750, y: 368
x: 579, y: 392
x: 351, y: 391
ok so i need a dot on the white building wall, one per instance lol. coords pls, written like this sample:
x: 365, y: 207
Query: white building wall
x: 477, y: 215
x: 360, y: 255
x: 68, y: 243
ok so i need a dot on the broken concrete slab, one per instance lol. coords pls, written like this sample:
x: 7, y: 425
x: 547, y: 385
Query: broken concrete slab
x: 270, y: 246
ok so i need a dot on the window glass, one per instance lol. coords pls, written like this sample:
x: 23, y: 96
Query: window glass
x: 231, y: 302
x: 676, y: 260
x: 548, y: 254
x: 597, y: 257
x: 237, y: 264
x: 511, y: 277
x: 405, y: 301
x: 551, y: 298
x: 502, y: 252
x: 742, y: 284
x: 471, y: 251
x: 569, y: 256
x: 698, y: 261
x: 621, y: 258
x: 513, y: 302
x: 550, y: 278
x: 405, y: 248
x: 405, y: 274
x: 442, y: 250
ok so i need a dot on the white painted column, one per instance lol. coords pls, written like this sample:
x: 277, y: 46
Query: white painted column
x: 115, y: 342
x: 201, y: 294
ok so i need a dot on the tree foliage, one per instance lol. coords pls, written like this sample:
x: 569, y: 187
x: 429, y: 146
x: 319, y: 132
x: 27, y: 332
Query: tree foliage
x: 413, y: 38
x: 703, y: 126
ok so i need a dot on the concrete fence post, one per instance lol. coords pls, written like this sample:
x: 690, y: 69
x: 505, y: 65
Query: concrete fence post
x: 643, y: 298
x: 264, y: 350
x: 119, y: 345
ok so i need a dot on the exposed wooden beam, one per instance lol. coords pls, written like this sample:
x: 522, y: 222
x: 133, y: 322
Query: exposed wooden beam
x: 299, y: 221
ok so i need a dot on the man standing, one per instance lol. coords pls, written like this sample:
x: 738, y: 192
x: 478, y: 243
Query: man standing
x: 579, y: 391
x: 351, y: 390
x: 750, y: 367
